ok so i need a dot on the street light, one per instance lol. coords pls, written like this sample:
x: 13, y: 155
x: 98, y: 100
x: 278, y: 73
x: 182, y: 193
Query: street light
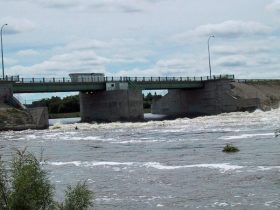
x: 2, y: 50
x: 209, y: 53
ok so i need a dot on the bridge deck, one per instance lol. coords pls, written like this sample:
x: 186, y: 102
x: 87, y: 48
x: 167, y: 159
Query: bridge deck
x: 40, y: 85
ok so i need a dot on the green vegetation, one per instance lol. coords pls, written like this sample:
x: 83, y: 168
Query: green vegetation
x: 230, y: 149
x: 263, y: 82
x: 64, y: 115
x: 25, y: 186
x: 147, y: 110
x: 147, y: 101
x: 78, y: 198
x: 57, y: 105
x: 12, y: 116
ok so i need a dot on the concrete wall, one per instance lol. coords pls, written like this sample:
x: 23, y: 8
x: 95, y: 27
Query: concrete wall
x: 6, y: 91
x: 40, y: 117
x: 110, y: 106
x: 216, y: 97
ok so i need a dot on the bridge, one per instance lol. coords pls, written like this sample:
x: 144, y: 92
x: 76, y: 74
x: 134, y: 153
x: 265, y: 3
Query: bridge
x: 43, y: 85
x: 120, y: 98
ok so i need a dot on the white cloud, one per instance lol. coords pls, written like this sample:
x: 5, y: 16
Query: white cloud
x: 17, y: 25
x: 126, y: 6
x: 102, y: 40
x: 27, y: 53
x: 87, y: 44
x: 184, y: 66
x: 232, y: 61
x: 227, y: 29
x: 274, y: 7
x: 10, y: 61
x: 70, y: 59
x: 241, y: 49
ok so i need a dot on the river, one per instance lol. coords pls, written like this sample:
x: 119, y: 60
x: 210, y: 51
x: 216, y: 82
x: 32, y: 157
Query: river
x: 176, y: 164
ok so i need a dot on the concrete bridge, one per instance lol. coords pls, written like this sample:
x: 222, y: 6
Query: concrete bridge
x: 45, y: 85
x: 120, y: 98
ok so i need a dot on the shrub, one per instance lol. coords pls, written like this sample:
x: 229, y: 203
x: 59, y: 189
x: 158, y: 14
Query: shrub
x: 31, y: 188
x: 230, y: 148
x: 3, y: 187
x: 26, y: 187
x: 77, y: 198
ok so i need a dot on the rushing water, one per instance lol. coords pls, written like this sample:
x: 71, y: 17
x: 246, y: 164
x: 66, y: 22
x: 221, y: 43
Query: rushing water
x: 176, y: 164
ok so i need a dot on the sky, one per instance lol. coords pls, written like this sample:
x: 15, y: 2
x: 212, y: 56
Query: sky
x: 52, y: 38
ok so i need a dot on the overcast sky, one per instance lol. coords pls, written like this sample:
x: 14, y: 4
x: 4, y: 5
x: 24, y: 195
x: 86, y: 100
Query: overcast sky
x: 141, y: 37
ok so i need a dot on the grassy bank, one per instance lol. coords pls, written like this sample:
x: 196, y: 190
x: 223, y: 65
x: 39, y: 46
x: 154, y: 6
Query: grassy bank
x: 64, y: 115
x: 77, y: 114
x: 147, y: 110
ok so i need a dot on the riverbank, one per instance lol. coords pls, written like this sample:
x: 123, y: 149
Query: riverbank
x: 18, y: 119
x: 76, y: 114
x: 64, y: 115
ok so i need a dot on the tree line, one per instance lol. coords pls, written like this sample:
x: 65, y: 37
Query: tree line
x: 58, y: 105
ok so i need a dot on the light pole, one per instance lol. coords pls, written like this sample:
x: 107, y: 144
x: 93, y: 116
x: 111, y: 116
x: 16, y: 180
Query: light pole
x: 209, y: 53
x: 2, y: 50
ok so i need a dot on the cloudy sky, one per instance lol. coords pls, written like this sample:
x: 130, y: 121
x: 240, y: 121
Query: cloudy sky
x: 141, y: 37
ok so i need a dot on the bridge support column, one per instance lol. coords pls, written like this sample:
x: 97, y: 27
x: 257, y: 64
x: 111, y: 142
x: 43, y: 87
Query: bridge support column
x: 216, y: 97
x: 111, y: 106
x: 6, y: 91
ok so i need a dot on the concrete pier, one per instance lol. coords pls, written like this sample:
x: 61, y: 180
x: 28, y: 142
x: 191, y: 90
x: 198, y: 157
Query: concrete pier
x: 111, y: 106
x: 6, y: 91
x: 216, y: 97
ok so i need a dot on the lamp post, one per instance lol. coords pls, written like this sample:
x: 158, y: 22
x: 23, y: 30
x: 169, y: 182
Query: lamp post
x: 2, y: 50
x: 211, y: 36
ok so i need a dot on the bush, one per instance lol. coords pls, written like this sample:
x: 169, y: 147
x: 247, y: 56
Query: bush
x: 77, y: 198
x: 230, y: 148
x: 4, y: 188
x: 26, y: 187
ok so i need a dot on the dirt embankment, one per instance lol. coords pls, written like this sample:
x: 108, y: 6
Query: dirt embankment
x: 268, y: 93
x: 15, y: 119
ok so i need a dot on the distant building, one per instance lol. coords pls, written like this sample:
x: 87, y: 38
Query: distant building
x: 87, y: 77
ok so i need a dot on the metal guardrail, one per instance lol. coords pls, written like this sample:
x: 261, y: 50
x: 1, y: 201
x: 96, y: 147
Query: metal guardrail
x: 256, y: 80
x: 122, y: 79
x: 10, y: 78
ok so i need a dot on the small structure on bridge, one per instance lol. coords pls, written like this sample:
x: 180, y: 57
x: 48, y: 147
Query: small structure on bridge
x: 87, y: 77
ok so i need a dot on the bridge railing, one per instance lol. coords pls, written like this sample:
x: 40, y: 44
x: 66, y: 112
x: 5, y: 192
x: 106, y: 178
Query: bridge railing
x: 258, y: 81
x: 124, y: 79
x: 10, y: 78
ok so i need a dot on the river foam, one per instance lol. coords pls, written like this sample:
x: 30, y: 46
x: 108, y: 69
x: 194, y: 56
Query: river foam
x: 247, y: 136
x: 222, y: 167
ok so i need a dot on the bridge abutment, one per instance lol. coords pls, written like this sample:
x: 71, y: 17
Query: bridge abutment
x: 216, y: 97
x: 111, y: 106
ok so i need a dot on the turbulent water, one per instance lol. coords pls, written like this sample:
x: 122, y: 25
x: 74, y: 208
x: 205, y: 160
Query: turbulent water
x: 175, y: 164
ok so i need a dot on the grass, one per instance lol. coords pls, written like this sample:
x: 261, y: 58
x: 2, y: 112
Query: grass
x: 77, y: 114
x: 147, y: 110
x: 263, y: 82
x: 64, y: 115
x: 230, y: 149
x: 12, y: 116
